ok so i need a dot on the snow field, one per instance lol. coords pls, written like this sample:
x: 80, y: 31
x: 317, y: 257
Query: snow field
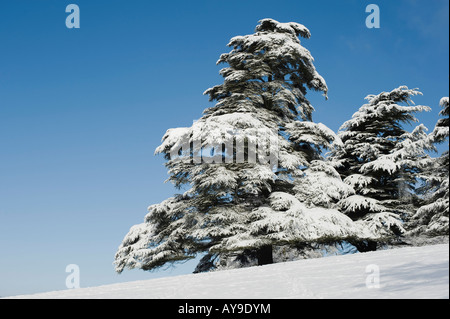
x: 404, y: 273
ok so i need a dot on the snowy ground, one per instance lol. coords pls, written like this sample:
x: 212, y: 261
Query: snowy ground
x: 415, y: 272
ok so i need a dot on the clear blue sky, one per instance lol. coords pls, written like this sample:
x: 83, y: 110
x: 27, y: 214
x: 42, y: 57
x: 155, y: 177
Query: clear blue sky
x: 82, y: 110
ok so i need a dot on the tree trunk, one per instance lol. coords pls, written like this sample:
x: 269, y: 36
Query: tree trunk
x: 365, y: 246
x: 264, y: 255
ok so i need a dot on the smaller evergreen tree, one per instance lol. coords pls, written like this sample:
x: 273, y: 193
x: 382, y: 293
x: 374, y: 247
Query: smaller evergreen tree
x: 381, y: 160
x: 432, y: 218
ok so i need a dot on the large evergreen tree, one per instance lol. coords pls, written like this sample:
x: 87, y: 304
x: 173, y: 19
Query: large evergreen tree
x: 381, y: 161
x: 241, y: 161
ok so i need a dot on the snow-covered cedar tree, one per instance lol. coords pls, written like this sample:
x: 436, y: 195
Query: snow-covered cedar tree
x: 239, y: 162
x: 381, y: 161
x: 432, y: 218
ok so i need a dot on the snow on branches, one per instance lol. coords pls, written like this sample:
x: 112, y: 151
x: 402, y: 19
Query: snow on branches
x: 381, y: 160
